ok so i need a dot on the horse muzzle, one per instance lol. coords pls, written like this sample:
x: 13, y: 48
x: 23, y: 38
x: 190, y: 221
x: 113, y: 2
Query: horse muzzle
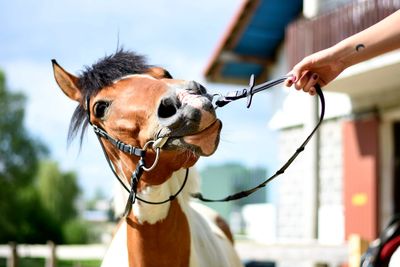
x: 186, y: 115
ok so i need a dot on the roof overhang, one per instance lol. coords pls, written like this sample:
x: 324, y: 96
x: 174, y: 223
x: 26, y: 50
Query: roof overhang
x: 250, y: 42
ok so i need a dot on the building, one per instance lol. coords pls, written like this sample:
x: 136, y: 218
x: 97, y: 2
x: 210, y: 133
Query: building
x: 222, y: 180
x: 348, y: 179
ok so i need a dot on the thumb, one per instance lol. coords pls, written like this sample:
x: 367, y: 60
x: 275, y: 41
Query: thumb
x: 299, y: 69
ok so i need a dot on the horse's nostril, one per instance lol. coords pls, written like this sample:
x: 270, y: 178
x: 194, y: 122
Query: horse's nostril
x: 167, y: 108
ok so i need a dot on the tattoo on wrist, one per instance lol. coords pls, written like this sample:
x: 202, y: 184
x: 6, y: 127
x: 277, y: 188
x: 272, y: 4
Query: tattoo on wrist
x: 360, y: 47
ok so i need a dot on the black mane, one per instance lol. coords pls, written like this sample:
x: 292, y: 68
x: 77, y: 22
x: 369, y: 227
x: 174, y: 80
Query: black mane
x: 101, y: 74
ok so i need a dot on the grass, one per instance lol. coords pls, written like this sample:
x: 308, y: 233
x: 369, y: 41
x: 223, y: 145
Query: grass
x: 38, y: 262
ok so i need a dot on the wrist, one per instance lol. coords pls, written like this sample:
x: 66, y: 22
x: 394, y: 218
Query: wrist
x: 343, y: 53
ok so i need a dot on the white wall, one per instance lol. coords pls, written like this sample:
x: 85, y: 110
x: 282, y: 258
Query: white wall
x: 311, y: 8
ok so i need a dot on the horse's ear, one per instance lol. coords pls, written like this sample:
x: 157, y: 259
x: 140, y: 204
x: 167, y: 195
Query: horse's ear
x: 67, y: 82
x: 159, y: 73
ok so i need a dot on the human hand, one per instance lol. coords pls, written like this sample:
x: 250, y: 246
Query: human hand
x: 321, y: 67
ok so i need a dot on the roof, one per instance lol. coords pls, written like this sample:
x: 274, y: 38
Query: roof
x: 250, y: 42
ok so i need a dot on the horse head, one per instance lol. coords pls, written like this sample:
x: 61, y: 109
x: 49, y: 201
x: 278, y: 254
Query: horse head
x: 137, y: 103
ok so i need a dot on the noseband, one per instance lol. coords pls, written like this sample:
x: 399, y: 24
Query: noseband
x: 157, y: 144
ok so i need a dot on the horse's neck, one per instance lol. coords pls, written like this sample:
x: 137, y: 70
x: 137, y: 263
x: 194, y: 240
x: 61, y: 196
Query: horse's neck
x: 171, y: 234
x: 164, y: 243
x: 158, y: 233
x: 153, y: 213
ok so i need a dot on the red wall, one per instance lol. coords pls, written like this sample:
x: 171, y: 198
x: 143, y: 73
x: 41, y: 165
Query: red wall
x: 361, y: 154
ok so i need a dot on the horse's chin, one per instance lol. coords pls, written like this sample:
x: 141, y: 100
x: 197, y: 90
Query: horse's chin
x: 203, y: 143
x: 206, y: 141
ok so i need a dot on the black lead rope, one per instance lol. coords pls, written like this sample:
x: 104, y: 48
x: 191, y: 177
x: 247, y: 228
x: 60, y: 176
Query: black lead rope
x: 248, y: 92
x: 223, y: 100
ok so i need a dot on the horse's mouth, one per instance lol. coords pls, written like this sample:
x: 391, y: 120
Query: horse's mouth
x: 203, y: 142
x: 207, y: 139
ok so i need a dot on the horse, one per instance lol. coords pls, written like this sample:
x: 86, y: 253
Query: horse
x: 172, y: 122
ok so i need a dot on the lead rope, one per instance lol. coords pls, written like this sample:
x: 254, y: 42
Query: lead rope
x: 249, y: 94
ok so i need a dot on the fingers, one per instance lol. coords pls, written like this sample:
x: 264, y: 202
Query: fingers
x: 297, y: 72
x: 302, y: 81
x: 310, y: 85
x: 289, y: 81
x: 307, y: 82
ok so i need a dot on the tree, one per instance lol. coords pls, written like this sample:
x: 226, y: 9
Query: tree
x: 76, y: 232
x: 58, y: 191
x: 34, y: 224
x: 36, y: 199
x: 19, y: 152
x: 19, y: 157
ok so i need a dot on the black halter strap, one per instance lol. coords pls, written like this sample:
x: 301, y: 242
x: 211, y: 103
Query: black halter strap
x: 137, y: 173
x: 132, y: 150
x: 249, y: 94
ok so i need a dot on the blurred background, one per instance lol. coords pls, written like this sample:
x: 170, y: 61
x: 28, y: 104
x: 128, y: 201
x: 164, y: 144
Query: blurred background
x: 336, y: 197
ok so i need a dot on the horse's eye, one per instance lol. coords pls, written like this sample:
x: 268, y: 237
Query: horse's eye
x: 167, y: 75
x: 100, y: 108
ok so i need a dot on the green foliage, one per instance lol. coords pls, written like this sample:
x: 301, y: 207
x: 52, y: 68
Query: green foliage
x: 27, y: 221
x: 81, y: 263
x: 39, y: 262
x: 35, y: 224
x: 21, y: 210
x: 19, y: 152
x: 35, y: 199
x: 58, y: 191
x: 76, y: 232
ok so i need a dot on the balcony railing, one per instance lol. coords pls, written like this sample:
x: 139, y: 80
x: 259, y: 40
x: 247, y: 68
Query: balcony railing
x: 306, y: 36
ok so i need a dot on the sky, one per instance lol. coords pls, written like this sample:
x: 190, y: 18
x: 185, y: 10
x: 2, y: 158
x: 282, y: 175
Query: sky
x: 178, y: 35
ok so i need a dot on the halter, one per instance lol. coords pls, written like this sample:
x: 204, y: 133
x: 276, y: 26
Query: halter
x: 140, y: 167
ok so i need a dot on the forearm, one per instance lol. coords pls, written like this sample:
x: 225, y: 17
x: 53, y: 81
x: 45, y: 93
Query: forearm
x: 373, y: 41
x: 324, y: 66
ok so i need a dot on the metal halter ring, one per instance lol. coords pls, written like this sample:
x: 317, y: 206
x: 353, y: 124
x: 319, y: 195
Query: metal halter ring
x: 157, y: 150
x: 215, y: 98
